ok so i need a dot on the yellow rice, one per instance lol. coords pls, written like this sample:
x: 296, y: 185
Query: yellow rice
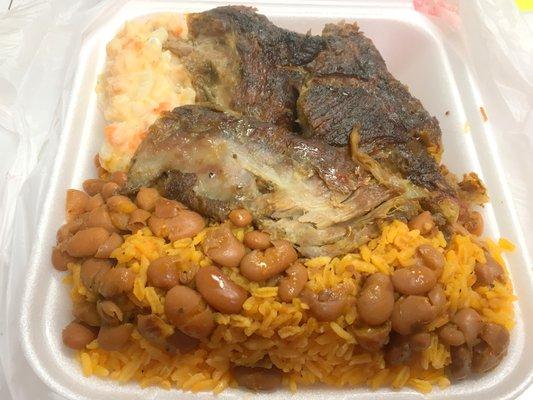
x: 308, y: 351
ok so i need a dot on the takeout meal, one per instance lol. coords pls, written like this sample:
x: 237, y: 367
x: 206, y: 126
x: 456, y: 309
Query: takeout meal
x: 271, y: 211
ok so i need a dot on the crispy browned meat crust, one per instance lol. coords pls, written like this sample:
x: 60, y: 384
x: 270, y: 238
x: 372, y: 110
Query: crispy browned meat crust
x: 380, y: 119
x: 245, y: 63
x: 327, y: 86
x: 349, y: 87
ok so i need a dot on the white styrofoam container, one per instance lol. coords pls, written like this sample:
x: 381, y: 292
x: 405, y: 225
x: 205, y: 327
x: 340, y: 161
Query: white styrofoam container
x: 418, y: 55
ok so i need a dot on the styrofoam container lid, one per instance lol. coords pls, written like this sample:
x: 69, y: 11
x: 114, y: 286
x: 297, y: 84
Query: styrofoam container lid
x: 418, y: 55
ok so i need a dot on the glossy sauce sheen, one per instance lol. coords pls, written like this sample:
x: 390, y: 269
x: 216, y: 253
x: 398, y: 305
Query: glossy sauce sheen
x: 219, y: 291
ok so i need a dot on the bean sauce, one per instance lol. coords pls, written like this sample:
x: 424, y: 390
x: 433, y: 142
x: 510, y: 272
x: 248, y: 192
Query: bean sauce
x: 376, y: 299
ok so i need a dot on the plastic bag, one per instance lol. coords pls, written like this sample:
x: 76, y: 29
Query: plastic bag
x: 497, y: 43
x: 39, y: 40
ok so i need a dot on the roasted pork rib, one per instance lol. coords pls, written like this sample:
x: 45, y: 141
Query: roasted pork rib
x: 329, y: 87
x: 311, y: 133
x: 300, y: 189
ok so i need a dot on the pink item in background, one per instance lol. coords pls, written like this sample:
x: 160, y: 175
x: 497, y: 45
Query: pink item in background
x: 446, y: 10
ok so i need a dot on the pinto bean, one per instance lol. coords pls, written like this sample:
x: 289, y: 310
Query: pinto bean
x: 372, y: 338
x: 129, y: 305
x: 85, y: 243
x: 423, y: 222
x: 262, y: 265
x: 146, y: 198
x: 200, y: 325
x: 85, y: 311
x: 432, y: 258
x: 450, y: 335
x: 61, y: 259
x: 469, y: 322
x: 411, y: 313
x: 120, y: 204
x: 165, y: 208
x: 158, y: 226
x: 120, y: 220
x: 257, y: 378
x: 293, y: 282
x: 163, y: 272
x: 496, y: 336
x: 221, y: 246
x: 398, y: 351
x: 186, y: 224
x: 99, y: 218
x: 437, y: 297
x: 79, y: 223
x: 76, y: 203
x: 116, y: 281
x: 401, y: 348
x: 77, y: 336
x: 94, y: 202
x: 159, y: 333
x: 240, y: 217
x: 109, y: 189
x: 187, y: 272
x: 92, y: 270
x: 417, y: 279
x: 420, y: 341
x: 154, y: 329
x: 181, y: 342
x: 113, y: 338
x: 219, y: 291
x: 484, y: 358
x: 487, y: 273
x: 327, y: 305
x: 93, y: 186
x: 376, y: 299
x: 257, y: 240
x: 109, y: 312
x: 186, y: 310
x: 119, y: 177
x: 461, y: 365
x: 68, y: 230
x: 474, y: 224
x: 113, y: 242
x: 138, y: 220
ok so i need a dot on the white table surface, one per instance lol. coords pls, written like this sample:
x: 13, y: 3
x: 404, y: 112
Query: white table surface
x: 8, y: 142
